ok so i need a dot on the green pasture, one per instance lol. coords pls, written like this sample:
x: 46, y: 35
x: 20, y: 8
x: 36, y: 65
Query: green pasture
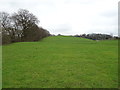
x: 60, y: 62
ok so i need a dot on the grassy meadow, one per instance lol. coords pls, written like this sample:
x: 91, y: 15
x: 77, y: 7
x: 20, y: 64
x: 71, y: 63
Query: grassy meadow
x: 61, y: 62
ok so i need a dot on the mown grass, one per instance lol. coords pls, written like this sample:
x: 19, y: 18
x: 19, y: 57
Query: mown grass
x: 61, y: 62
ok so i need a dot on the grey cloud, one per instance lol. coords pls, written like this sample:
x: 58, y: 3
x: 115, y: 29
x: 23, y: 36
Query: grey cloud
x: 49, y: 10
x: 27, y: 3
x: 63, y: 28
x: 80, y: 1
x: 111, y: 13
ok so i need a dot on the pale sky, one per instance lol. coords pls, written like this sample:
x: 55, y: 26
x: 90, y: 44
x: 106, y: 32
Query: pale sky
x: 70, y: 17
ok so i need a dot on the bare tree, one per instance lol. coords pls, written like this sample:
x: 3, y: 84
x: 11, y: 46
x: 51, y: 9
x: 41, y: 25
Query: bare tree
x: 5, y: 27
x: 24, y: 20
x: 21, y: 26
x: 5, y: 22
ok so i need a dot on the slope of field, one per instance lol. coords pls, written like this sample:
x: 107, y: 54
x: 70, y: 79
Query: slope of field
x: 61, y: 62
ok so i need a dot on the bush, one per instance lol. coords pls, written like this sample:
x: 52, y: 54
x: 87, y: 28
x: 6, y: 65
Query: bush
x: 6, y: 39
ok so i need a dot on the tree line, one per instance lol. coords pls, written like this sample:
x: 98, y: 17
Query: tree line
x: 21, y: 26
x: 95, y: 36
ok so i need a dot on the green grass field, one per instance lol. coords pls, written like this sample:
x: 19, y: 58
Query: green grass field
x: 61, y: 62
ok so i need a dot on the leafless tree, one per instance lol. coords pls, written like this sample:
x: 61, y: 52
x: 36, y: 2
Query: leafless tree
x: 5, y: 22
x: 5, y: 25
x: 21, y: 26
x: 24, y: 20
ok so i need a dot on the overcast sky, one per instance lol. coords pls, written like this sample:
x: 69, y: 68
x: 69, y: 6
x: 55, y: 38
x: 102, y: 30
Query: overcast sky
x: 70, y: 17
